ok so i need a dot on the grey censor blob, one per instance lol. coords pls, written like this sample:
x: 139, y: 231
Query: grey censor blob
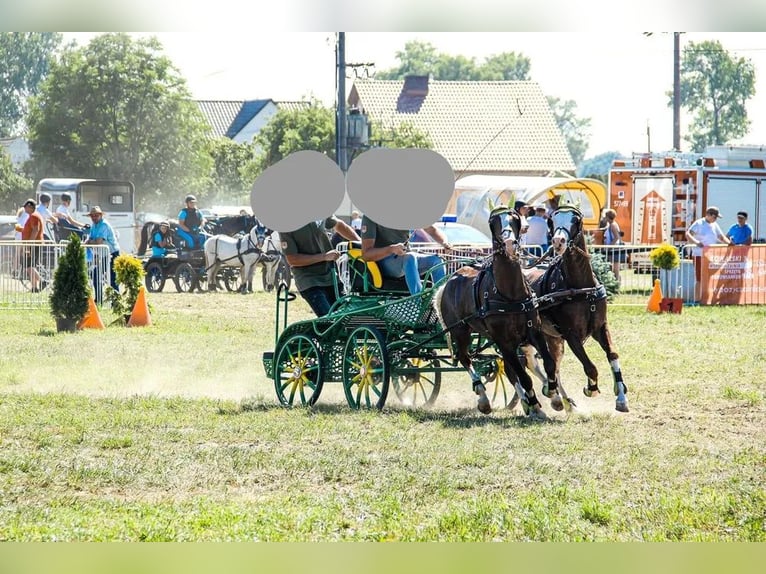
x: 401, y: 188
x: 305, y: 186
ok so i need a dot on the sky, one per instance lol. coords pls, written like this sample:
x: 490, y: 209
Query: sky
x: 619, y: 81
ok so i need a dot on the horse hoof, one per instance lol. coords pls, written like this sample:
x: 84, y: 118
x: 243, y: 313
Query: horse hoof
x: 513, y: 403
x: 484, y: 406
x: 591, y: 393
x: 622, y: 406
x: 557, y: 404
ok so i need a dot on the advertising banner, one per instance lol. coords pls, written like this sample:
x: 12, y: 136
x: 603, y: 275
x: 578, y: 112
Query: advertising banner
x: 733, y: 275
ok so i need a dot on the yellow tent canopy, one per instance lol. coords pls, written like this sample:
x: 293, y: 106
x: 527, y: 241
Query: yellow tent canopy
x: 469, y: 201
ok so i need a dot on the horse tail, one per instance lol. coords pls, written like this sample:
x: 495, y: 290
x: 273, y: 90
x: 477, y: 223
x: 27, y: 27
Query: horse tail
x: 144, y: 238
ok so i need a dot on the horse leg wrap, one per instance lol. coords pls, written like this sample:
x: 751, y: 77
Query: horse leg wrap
x: 476, y: 384
x: 591, y: 390
x: 617, y: 376
x: 550, y: 387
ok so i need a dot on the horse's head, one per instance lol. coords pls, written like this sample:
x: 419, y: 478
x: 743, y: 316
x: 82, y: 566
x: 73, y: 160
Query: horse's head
x: 505, y: 228
x: 259, y: 234
x: 567, y: 225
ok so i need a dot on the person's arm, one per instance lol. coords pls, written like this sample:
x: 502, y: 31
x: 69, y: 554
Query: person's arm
x: 438, y: 235
x: 721, y: 236
x: 690, y: 236
x: 304, y: 260
x: 372, y: 253
x: 346, y: 231
x: 749, y: 240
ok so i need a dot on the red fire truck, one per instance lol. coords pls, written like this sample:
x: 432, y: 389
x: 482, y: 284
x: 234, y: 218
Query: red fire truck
x: 657, y: 197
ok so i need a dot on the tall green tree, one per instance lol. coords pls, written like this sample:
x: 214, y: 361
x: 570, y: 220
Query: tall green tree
x: 26, y: 59
x: 422, y: 59
x: 118, y: 109
x: 715, y: 88
x: 575, y: 129
x: 14, y: 187
x: 232, y: 162
x: 417, y: 59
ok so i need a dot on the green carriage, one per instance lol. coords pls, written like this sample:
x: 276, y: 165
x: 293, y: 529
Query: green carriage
x: 374, y: 337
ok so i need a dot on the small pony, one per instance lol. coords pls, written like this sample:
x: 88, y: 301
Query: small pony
x: 244, y: 252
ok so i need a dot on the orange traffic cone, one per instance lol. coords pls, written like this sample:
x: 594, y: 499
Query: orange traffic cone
x: 655, y: 298
x: 92, y: 319
x: 140, y: 316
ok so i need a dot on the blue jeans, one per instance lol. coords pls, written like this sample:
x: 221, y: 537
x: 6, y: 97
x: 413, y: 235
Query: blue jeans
x: 320, y: 299
x: 412, y: 265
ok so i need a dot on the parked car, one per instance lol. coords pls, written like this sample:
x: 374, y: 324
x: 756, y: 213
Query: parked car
x: 467, y: 243
x: 7, y: 227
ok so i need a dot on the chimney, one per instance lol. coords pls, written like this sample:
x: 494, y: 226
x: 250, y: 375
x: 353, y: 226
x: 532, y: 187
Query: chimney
x: 415, y: 86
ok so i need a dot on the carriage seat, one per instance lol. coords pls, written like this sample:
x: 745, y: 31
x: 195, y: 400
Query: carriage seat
x: 367, y: 278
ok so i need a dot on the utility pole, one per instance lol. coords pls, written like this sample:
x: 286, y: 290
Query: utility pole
x: 677, y: 91
x: 340, y: 114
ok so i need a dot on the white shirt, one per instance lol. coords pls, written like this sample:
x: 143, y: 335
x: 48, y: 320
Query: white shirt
x: 44, y: 211
x: 706, y: 233
x: 21, y: 220
x: 537, y: 234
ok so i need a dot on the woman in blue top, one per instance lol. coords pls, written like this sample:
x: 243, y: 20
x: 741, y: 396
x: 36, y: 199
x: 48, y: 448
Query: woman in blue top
x: 161, y: 240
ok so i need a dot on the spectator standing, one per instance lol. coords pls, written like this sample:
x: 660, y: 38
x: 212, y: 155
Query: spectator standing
x: 538, y: 232
x: 356, y: 221
x: 740, y: 233
x: 312, y: 258
x: 703, y: 232
x: 389, y: 248
x: 706, y: 231
x: 613, y: 236
x: 32, y: 231
x: 101, y: 233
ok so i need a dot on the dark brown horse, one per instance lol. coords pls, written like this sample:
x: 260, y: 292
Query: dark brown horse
x: 497, y: 302
x: 573, y: 303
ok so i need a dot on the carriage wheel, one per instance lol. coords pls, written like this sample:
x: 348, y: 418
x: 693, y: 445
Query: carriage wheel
x: 155, y: 277
x: 229, y: 276
x: 185, y: 278
x: 417, y: 380
x: 298, y: 371
x: 499, y: 389
x: 365, y: 369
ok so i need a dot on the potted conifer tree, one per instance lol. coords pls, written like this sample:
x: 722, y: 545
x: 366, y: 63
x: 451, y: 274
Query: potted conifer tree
x: 71, y: 287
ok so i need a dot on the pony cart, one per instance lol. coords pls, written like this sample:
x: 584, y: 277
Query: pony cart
x: 377, y: 335
x: 236, y: 246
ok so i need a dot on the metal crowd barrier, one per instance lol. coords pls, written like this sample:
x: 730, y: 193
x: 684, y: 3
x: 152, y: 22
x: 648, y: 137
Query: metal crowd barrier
x: 27, y: 270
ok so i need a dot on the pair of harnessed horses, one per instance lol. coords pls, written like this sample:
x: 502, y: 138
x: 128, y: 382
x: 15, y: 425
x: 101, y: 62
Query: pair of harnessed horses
x: 537, y: 310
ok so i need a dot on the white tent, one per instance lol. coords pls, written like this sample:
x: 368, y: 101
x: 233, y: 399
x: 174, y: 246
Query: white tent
x: 470, y: 200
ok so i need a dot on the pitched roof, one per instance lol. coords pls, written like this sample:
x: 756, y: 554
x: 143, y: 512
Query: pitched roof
x: 484, y: 127
x: 229, y: 117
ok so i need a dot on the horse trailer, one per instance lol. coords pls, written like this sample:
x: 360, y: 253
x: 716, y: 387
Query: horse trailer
x: 115, y: 198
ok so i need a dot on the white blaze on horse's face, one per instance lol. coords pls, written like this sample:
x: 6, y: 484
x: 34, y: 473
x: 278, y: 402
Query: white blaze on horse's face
x: 563, y: 222
x: 508, y: 235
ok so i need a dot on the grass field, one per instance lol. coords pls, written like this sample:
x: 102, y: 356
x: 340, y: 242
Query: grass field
x: 173, y: 432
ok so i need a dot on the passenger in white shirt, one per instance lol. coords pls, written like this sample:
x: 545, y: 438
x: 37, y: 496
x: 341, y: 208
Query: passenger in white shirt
x: 63, y: 214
